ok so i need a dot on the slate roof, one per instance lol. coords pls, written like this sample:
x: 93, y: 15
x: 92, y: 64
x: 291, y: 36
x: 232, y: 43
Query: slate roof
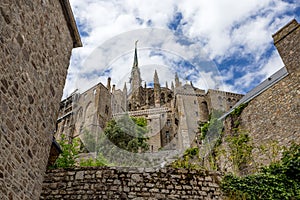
x: 277, y: 76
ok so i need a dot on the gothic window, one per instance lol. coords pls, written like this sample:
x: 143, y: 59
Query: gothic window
x: 204, y: 111
x: 162, y: 98
x: 88, y: 111
x: 168, y: 122
x: 80, y: 112
x: 106, y: 109
x: 168, y: 136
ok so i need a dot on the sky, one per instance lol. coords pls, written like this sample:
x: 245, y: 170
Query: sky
x: 216, y: 44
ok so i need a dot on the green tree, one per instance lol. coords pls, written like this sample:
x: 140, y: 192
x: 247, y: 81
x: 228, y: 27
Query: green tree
x: 128, y: 133
x: 99, y: 161
x: 70, y: 151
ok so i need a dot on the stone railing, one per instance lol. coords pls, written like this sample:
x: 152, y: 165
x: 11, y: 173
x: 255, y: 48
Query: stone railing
x: 152, y: 111
x: 130, y: 183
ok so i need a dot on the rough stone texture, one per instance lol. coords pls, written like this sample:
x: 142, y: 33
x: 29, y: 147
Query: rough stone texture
x: 35, y: 50
x: 91, y: 110
x: 130, y: 183
x: 275, y: 113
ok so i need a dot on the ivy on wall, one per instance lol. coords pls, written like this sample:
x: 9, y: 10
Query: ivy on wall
x: 279, y: 180
x: 240, y: 150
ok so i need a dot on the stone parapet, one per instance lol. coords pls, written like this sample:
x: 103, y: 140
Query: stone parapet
x: 130, y: 183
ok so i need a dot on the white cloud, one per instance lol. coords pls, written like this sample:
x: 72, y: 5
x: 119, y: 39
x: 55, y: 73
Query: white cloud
x: 222, y: 29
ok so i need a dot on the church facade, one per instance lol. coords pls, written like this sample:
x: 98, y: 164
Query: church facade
x: 173, y: 114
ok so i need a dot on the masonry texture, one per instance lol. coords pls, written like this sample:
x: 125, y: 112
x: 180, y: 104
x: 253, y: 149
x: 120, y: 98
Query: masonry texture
x: 36, y: 42
x: 274, y: 115
x: 128, y: 183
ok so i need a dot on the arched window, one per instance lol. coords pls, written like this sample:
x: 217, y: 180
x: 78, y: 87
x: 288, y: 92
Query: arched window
x: 79, y: 113
x: 204, y: 111
x: 162, y: 98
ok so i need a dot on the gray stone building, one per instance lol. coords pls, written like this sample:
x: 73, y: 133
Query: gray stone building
x: 173, y: 114
x: 36, y: 39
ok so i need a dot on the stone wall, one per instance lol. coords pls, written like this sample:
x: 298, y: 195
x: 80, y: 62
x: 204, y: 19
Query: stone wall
x: 274, y: 115
x: 36, y: 40
x: 130, y: 183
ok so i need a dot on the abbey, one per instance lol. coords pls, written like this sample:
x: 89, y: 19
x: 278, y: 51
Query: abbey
x: 173, y: 114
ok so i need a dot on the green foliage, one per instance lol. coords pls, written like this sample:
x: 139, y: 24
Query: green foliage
x: 211, y: 138
x: 280, y: 180
x: 240, y: 150
x: 204, y: 130
x: 140, y: 121
x: 70, y: 151
x: 99, y: 161
x: 289, y: 165
x: 90, y: 140
x: 190, y: 160
x: 128, y: 133
x: 238, y: 110
x: 211, y: 128
x: 192, y: 152
x: 271, y: 150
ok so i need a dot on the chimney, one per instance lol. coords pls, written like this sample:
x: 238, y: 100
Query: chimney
x: 108, y: 83
x: 287, y: 42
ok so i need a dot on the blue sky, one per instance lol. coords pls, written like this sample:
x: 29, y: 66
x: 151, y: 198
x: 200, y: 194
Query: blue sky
x: 216, y: 44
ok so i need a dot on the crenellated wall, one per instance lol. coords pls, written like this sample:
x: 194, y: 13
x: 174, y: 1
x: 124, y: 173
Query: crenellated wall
x: 130, y: 183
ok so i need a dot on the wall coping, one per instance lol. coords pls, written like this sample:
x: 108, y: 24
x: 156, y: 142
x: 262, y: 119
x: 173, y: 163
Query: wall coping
x: 71, y: 23
x: 286, y: 30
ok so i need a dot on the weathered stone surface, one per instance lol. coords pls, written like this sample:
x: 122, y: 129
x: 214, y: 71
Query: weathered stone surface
x: 273, y: 115
x: 124, y: 184
x: 36, y: 46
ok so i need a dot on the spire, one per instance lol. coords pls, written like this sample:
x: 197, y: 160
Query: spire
x: 156, y: 80
x: 167, y: 84
x: 135, y: 79
x: 124, y: 104
x: 135, y: 61
x: 125, y: 88
x: 172, y: 86
x: 156, y: 90
x: 176, y: 80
